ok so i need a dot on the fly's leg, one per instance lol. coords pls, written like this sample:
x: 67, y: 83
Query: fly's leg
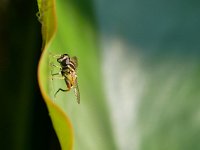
x: 53, y: 65
x: 60, y: 78
x: 57, y: 76
x: 59, y: 91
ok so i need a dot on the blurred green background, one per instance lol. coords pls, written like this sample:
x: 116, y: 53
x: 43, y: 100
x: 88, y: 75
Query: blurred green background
x: 150, y: 63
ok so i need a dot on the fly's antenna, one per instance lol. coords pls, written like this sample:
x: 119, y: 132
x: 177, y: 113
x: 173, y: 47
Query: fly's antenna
x: 54, y: 55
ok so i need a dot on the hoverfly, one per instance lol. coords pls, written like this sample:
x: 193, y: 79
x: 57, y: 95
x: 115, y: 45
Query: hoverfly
x: 68, y: 67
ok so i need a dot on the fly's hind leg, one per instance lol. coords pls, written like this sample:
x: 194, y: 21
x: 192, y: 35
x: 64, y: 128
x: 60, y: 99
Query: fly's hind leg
x: 58, y: 76
x: 59, y: 91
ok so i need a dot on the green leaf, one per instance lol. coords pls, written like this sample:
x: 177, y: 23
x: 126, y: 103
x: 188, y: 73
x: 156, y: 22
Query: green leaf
x: 60, y: 120
x: 76, y: 36
x: 151, y: 81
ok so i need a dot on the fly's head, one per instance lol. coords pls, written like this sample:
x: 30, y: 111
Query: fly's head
x: 64, y: 60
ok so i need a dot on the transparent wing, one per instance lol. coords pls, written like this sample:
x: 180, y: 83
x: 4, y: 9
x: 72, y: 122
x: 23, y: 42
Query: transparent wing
x: 76, y: 91
x: 75, y: 61
x: 76, y: 88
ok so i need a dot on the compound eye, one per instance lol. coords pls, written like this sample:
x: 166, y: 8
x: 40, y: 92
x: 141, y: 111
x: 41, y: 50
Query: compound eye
x: 65, y: 55
x: 64, y: 61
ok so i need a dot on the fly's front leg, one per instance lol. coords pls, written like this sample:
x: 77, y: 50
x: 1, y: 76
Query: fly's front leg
x: 56, y: 66
x: 51, y: 64
x: 55, y: 75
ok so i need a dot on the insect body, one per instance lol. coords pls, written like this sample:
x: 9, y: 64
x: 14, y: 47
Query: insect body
x: 68, y: 67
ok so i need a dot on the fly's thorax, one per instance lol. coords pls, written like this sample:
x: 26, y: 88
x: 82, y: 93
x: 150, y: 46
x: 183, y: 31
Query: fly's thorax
x: 69, y: 73
x: 68, y: 69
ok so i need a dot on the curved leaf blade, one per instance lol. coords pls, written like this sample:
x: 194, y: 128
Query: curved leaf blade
x: 59, y: 119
